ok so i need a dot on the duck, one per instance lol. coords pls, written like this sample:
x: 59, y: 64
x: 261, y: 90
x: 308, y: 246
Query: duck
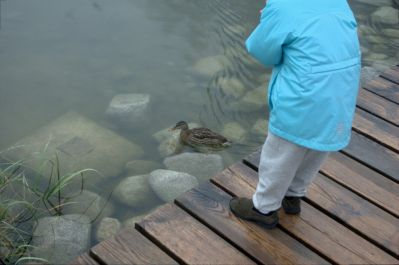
x: 200, y: 137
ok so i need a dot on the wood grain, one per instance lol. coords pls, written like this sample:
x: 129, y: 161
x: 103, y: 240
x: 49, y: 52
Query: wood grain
x: 84, y: 259
x: 211, y: 205
x: 384, y: 88
x: 392, y: 74
x: 364, y: 181
x: 376, y: 129
x: 374, y: 155
x: 379, y: 106
x: 185, y: 237
x: 130, y: 247
x: 315, y: 229
x: 372, y: 222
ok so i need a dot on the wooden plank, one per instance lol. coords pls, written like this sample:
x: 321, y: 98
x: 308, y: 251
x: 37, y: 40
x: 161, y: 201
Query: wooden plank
x: 373, y: 155
x: 312, y: 227
x: 376, y: 129
x: 211, y: 205
x: 187, y: 239
x: 364, y: 181
x: 379, y: 106
x: 84, y: 259
x: 361, y: 215
x: 366, y: 218
x: 359, y: 178
x: 384, y: 88
x: 130, y: 247
x: 392, y: 74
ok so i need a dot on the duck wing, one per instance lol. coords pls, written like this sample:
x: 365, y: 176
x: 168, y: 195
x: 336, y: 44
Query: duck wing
x: 204, y: 136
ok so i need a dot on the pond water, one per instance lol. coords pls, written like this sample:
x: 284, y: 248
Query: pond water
x: 186, y: 55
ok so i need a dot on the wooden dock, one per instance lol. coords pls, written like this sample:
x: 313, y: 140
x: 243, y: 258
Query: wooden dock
x: 350, y: 215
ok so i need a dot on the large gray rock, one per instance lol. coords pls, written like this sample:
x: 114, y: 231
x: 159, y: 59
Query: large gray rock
x: 135, y: 192
x: 60, y: 239
x: 202, y: 166
x: 90, y: 204
x: 386, y: 15
x: 139, y: 167
x: 79, y: 143
x: 129, y: 109
x: 108, y: 227
x: 169, y: 185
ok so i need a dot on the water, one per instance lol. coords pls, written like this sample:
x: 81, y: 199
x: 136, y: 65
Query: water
x: 57, y: 56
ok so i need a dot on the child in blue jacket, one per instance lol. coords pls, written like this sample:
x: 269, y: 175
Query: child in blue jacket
x: 314, y: 50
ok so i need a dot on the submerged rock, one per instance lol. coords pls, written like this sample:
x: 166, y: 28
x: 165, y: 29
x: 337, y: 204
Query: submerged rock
x: 235, y: 132
x: 209, y: 66
x: 257, y: 97
x: 139, y: 167
x: 169, y: 185
x: 131, y: 222
x: 386, y: 15
x: 232, y: 87
x: 129, y: 109
x: 79, y: 143
x: 60, y: 239
x: 166, y: 133
x: 135, y: 192
x: 376, y: 2
x: 260, y: 127
x: 108, y: 227
x: 202, y: 166
x: 90, y: 204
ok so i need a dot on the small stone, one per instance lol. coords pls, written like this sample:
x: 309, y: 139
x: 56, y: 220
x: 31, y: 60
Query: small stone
x: 386, y: 15
x: 108, y: 227
x: 209, y: 66
x: 129, y: 109
x: 166, y: 133
x: 375, y: 39
x: 169, y: 185
x: 60, y: 239
x: 140, y: 167
x: 376, y: 57
x: 170, y: 146
x: 232, y: 87
x: 202, y: 166
x: 257, y: 97
x: 135, y: 191
x: 131, y: 222
x: 392, y: 33
x: 235, y: 132
x: 260, y: 127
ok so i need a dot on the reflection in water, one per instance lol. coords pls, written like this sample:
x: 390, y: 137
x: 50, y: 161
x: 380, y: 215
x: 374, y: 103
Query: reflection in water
x: 187, y: 55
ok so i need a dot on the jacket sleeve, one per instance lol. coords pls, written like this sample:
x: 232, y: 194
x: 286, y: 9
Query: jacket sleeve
x: 266, y: 41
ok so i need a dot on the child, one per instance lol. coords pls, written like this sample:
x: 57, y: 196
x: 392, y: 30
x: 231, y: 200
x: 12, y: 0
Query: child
x: 314, y: 49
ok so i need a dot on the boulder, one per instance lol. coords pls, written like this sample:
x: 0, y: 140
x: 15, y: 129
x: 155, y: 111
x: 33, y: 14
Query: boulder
x: 60, y: 239
x: 90, y: 204
x: 79, y: 143
x: 202, y: 166
x: 135, y: 192
x: 108, y: 227
x: 235, y: 132
x: 129, y: 110
x: 386, y: 15
x: 139, y: 167
x: 169, y: 185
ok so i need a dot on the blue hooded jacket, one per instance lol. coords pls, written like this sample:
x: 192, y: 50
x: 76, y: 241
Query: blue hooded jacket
x: 314, y: 48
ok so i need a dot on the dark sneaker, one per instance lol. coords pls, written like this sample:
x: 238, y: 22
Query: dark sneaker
x: 244, y: 209
x: 292, y: 205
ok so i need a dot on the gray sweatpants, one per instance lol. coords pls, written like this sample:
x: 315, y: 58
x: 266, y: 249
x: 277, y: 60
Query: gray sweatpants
x: 285, y: 169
